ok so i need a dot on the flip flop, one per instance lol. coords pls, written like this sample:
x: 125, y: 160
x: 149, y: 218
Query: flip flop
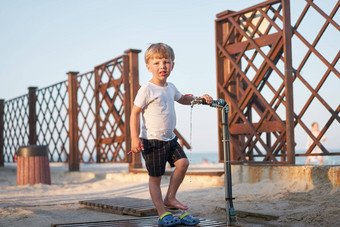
x: 167, y: 219
x: 186, y: 219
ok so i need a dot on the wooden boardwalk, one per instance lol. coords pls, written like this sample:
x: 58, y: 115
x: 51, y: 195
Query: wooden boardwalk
x: 135, y: 222
x: 123, y: 205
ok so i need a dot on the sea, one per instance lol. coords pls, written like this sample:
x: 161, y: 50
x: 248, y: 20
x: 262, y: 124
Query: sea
x: 199, y: 157
x: 212, y: 157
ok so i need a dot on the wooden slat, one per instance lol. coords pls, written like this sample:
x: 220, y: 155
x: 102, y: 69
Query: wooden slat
x: 26, y: 172
x: 261, y: 41
x: 31, y: 169
x: 111, y: 140
x: 112, y: 83
x: 38, y: 173
x: 123, y: 205
x: 20, y: 171
x: 266, y: 126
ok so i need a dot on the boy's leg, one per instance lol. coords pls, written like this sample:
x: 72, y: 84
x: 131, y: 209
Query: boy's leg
x: 175, y: 181
x: 156, y: 194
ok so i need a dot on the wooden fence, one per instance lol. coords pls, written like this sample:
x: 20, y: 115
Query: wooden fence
x: 261, y: 56
x: 82, y: 119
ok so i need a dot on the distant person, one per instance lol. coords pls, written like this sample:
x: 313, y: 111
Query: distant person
x: 205, y: 161
x: 315, y: 131
x: 157, y: 140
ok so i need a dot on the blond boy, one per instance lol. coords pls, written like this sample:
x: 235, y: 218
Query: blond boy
x: 157, y: 141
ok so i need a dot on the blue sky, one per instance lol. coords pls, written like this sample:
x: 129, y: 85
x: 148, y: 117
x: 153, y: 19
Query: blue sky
x: 43, y: 40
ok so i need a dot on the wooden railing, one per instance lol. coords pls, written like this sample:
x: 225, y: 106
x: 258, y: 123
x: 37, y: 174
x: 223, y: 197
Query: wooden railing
x: 82, y: 119
x: 260, y: 56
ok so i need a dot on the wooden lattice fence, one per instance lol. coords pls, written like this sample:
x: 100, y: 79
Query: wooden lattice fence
x: 260, y: 56
x: 82, y: 119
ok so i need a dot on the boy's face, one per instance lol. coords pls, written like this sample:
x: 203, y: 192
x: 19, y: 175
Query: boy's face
x: 160, y: 69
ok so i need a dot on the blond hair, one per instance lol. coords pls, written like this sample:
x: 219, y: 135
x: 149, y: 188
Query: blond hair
x: 315, y: 123
x: 159, y: 50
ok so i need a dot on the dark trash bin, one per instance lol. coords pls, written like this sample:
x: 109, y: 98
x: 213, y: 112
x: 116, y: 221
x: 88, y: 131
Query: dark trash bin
x: 33, y: 165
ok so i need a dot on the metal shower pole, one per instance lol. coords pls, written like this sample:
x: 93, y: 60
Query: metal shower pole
x: 229, y: 206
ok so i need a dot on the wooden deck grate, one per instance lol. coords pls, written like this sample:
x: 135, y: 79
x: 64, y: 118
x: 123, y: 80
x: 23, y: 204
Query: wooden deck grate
x: 140, y: 222
x: 123, y: 205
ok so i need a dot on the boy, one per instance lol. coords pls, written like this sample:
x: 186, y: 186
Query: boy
x: 158, y: 143
x: 315, y: 131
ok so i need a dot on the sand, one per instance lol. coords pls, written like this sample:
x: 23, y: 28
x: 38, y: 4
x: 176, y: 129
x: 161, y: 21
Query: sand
x: 43, y: 205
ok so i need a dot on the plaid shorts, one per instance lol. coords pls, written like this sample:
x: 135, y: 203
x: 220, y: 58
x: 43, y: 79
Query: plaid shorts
x: 156, y: 153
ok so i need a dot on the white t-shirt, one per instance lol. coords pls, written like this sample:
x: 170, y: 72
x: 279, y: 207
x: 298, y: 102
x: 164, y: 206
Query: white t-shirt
x: 158, y: 114
x: 310, y: 141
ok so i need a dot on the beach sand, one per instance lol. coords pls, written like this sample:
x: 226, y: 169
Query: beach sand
x: 294, y: 204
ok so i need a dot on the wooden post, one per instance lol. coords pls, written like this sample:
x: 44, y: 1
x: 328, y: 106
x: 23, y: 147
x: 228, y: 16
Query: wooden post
x: 133, y: 81
x: 223, y: 68
x: 287, y: 48
x: 73, y: 159
x: 127, y: 106
x: 2, y: 102
x: 32, y: 116
x: 97, y: 113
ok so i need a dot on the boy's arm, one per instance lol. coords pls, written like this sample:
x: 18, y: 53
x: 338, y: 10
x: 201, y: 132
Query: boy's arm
x: 136, y: 144
x: 186, y: 99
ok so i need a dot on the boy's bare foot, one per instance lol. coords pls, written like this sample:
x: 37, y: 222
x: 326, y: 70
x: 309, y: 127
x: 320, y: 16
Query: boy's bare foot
x: 174, y: 204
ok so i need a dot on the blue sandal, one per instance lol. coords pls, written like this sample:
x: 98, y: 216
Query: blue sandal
x: 186, y: 219
x: 167, y: 219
